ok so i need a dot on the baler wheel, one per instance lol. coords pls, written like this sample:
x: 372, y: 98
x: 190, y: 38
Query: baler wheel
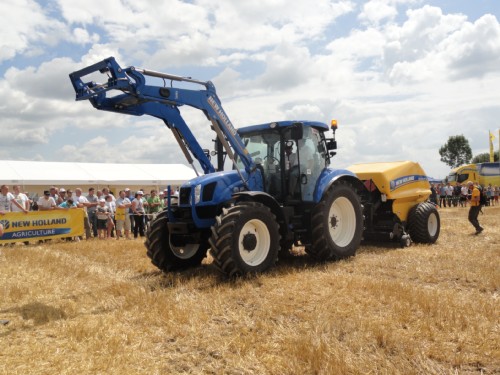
x: 424, y: 223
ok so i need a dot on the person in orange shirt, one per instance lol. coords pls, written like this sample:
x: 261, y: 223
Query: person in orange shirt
x: 474, y: 207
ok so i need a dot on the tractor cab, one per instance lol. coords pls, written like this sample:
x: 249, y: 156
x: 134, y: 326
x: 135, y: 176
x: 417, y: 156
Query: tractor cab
x: 290, y: 156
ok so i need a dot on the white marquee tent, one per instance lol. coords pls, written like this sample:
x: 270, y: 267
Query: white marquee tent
x: 35, y: 176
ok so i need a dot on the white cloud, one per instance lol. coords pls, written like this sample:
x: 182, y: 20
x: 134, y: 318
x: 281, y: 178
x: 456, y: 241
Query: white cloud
x: 82, y: 36
x: 375, y: 11
x: 398, y: 83
x: 24, y: 24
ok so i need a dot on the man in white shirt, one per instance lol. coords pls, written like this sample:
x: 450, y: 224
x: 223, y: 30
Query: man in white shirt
x: 7, y: 200
x: 20, y: 198
x: 449, y: 194
x: 46, y: 202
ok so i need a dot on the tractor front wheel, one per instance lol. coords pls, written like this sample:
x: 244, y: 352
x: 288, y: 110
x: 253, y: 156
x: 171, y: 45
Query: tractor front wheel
x: 171, y: 253
x: 424, y: 223
x: 245, y: 239
x: 337, y: 224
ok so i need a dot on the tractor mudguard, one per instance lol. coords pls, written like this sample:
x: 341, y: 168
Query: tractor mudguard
x: 329, y: 176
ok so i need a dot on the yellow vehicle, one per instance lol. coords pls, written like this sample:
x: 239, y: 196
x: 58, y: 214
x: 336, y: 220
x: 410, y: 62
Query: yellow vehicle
x: 482, y: 173
x: 395, y: 202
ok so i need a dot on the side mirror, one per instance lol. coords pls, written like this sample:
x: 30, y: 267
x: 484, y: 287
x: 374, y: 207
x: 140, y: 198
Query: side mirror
x: 331, y: 144
x: 297, y: 131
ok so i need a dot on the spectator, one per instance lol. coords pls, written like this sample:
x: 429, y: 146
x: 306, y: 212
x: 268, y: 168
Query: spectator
x: 68, y: 203
x: 7, y: 201
x: 106, y: 192
x: 442, y: 195
x: 449, y: 194
x: 53, y: 193
x: 433, y: 197
x: 496, y: 191
x: 22, y: 199
x: 61, y: 196
x: 82, y: 202
x: 122, y: 217
x: 138, y: 210
x: 130, y: 213
x: 474, y: 207
x: 91, y: 210
x: 112, y: 209
x: 489, y: 195
x: 464, y: 191
x: 102, y: 212
x: 154, y: 204
x: 46, y: 202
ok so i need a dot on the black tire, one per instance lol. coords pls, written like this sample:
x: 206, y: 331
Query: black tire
x: 337, y: 224
x: 424, y: 223
x: 170, y: 257
x: 245, y: 239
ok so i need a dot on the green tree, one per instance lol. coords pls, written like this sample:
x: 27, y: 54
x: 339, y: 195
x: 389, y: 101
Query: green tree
x: 484, y: 158
x: 456, y: 151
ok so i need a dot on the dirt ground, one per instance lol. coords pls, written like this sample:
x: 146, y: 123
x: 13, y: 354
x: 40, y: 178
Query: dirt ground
x: 100, y: 307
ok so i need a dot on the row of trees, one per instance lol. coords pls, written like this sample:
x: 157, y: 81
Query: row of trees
x: 457, y: 152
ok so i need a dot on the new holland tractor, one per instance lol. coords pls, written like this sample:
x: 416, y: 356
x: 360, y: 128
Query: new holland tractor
x: 278, y: 190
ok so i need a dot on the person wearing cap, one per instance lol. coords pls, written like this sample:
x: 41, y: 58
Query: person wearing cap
x: 475, y: 207
x: 138, y: 211
x: 122, y: 217
x: 61, y: 197
x: 46, y: 202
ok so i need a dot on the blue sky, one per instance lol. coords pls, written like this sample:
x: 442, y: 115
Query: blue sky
x: 400, y: 76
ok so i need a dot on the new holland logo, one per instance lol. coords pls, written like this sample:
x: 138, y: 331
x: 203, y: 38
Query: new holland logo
x: 5, y: 224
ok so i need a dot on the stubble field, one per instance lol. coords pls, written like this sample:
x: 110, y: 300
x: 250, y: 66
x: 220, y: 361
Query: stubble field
x: 100, y: 307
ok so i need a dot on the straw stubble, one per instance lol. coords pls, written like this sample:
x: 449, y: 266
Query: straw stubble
x: 101, y: 307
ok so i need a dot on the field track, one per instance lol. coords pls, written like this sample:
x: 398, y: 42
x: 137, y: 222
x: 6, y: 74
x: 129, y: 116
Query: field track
x: 100, y: 307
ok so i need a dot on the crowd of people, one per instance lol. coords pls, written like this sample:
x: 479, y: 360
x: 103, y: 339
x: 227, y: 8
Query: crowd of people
x: 445, y: 195
x: 106, y: 216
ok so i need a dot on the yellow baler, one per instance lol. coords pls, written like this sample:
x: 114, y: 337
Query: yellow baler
x: 395, y: 201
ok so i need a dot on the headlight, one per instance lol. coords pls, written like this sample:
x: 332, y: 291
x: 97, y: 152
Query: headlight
x: 197, y: 194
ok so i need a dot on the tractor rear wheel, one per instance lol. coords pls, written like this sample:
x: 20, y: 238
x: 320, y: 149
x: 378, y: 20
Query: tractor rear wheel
x: 245, y: 239
x: 424, y: 223
x: 167, y: 252
x: 337, y: 224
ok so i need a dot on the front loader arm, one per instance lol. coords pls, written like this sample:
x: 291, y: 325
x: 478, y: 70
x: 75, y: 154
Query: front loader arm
x: 138, y: 98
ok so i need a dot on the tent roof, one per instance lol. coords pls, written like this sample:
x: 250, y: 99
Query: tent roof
x: 59, y: 173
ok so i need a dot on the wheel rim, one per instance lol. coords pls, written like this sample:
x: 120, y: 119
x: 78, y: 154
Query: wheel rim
x: 432, y: 224
x: 342, y: 221
x: 254, y: 242
x: 185, y: 252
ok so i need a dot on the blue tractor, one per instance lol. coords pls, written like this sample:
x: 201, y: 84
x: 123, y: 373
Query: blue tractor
x: 278, y: 190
